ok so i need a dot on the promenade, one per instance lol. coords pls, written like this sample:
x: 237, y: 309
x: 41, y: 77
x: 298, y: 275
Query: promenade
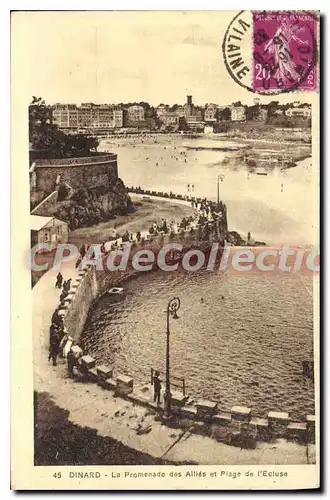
x: 91, y: 406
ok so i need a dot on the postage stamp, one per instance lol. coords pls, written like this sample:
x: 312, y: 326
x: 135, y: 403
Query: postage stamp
x: 269, y: 52
x: 284, y: 51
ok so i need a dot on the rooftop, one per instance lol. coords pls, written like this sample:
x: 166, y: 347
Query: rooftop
x: 37, y: 222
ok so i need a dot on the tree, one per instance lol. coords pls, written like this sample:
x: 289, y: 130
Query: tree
x: 48, y: 141
x: 42, y: 132
x: 271, y: 108
x: 224, y: 114
x: 144, y: 104
x: 252, y: 112
x: 182, y: 124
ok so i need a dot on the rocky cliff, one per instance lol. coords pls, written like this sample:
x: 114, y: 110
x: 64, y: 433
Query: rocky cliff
x: 88, y: 206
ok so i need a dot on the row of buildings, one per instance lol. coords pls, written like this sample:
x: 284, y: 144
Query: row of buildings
x: 88, y: 115
x: 193, y: 116
x: 211, y: 114
x: 104, y: 116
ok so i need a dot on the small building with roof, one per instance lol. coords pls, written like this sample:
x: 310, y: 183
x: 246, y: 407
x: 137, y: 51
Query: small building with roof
x: 48, y: 230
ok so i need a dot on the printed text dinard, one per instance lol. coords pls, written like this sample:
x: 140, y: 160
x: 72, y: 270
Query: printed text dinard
x: 180, y: 474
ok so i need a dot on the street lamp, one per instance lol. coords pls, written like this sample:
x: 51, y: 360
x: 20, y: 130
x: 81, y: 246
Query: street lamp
x: 220, y: 176
x: 172, y: 307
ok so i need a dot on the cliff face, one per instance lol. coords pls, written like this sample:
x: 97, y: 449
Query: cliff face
x: 88, y: 206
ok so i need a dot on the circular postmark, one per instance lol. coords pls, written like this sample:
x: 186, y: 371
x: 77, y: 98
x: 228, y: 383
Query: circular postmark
x: 272, y: 52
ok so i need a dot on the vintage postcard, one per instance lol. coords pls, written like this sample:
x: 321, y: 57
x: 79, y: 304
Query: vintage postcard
x: 165, y: 257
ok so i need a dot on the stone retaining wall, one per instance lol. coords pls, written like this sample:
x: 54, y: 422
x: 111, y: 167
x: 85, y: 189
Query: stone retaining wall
x: 84, y: 290
x: 78, y: 172
x: 91, y: 283
x: 238, y: 422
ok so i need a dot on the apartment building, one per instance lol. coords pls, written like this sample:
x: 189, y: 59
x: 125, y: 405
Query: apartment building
x: 238, y: 114
x: 299, y: 111
x: 135, y: 113
x: 87, y: 115
x: 65, y: 115
x: 210, y: 113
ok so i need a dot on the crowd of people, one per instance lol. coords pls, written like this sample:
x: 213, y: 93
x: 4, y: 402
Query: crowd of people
x: 56, y: 334
x: 206, y: 213
x: 60, y: 341
x: 161, y: 194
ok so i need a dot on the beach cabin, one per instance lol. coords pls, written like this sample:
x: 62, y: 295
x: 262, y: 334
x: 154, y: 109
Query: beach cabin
x: 48, y: 230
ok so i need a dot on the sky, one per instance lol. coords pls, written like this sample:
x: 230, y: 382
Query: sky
x: 112, y: 57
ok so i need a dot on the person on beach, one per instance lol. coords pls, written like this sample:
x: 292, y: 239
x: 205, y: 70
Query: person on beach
x: 52, y: 330
x: 59, y: 281
x: 71, y: 363
x: 54, y: 346
x: 67, y: 285
x: 63, y: 296
x: 56, y: 317
x: 82, y: 251
x: 157, y: 388
x: 63, y: 342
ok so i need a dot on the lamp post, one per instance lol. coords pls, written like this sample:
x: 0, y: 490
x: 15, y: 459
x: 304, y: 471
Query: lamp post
x: 220, y: 176
x: 218, y: 197
x: 172, y: 307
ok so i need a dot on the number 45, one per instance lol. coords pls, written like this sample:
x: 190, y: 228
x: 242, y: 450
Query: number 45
x: 57, y: 475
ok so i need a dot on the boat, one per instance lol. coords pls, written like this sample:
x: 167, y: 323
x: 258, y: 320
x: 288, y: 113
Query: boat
x: 262, y: 173
x: 116, y: 293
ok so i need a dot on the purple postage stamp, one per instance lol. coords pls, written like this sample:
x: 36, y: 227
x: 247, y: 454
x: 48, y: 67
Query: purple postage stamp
x: 284, y: 51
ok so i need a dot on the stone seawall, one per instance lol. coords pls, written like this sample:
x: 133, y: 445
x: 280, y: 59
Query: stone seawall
x: 222, y: 424
x: 92, y: 283
x: 84, y: 290
x: 236, y: 425
x: 90, y: 171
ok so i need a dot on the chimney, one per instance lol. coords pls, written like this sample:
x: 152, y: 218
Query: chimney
x: 189, y: 100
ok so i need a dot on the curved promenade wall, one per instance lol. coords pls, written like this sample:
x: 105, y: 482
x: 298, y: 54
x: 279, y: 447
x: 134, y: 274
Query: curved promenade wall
x: 221, y: 423
x: 84, y: 290
x: 90, y: 284
x: 91, y: 171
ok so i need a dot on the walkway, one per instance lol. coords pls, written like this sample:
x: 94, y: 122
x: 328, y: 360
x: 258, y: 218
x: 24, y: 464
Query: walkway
x: 90, y: 405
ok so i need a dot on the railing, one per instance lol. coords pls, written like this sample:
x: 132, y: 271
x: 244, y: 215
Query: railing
x: 188, y: 197
x: 180, y: 384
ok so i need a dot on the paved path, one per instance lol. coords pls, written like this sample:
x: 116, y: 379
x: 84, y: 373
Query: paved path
x: 90, y: 405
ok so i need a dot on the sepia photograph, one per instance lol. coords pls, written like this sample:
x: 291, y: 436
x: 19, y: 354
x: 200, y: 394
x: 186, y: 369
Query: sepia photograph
x: 169, y: 199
